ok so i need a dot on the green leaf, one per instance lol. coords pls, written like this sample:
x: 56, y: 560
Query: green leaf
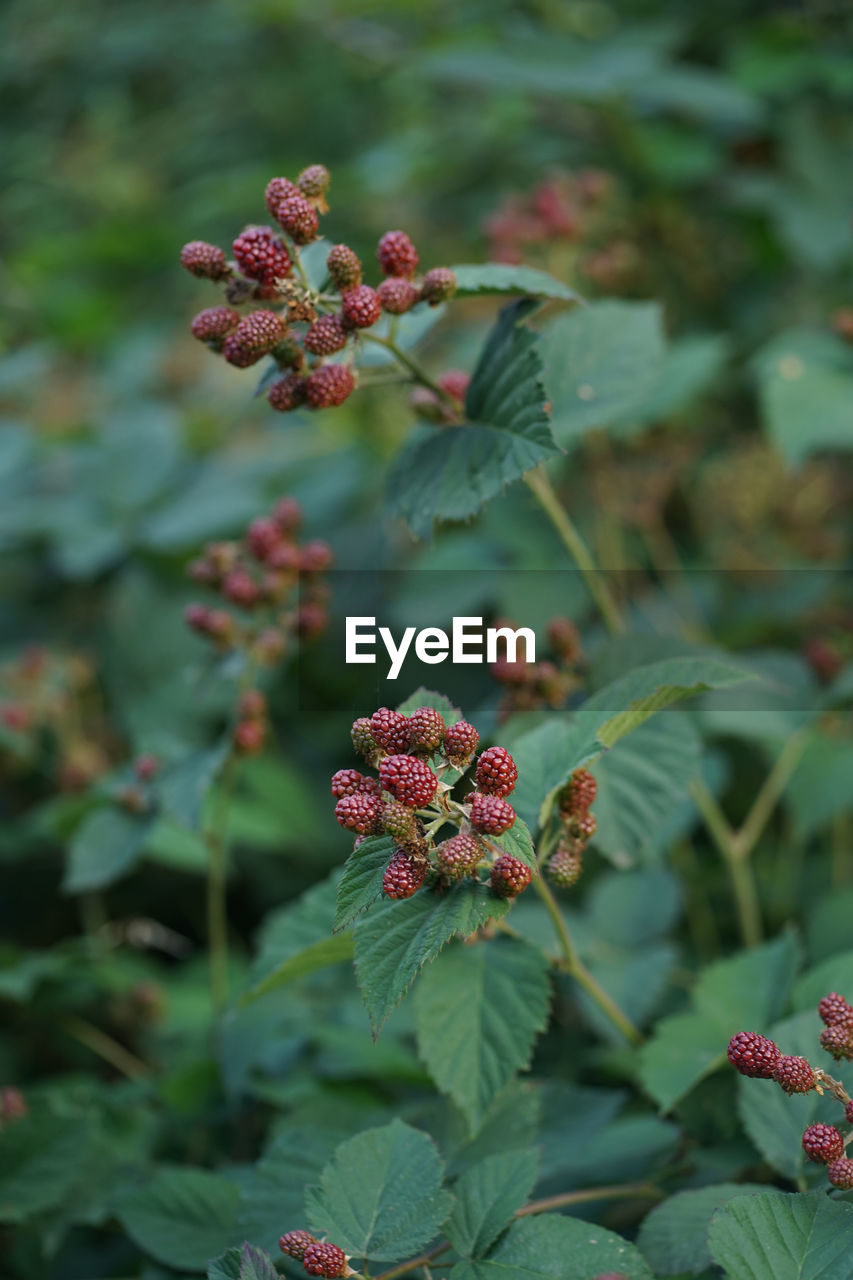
x: 295, y: 941
x: 448, y: 473
x: 255, y: 1264
x: 107, y: 844
x: 427, y: 698
x: 551, y: 1247
x: 226, y: 1266
x: 487, y: 1197
x: 688, y: 366
x: 805, y: 384
x: 380, y: 1197
x: 788, y: 1237
x: 318, y: 955
x: 820, y: 787
x: 361, y: 882
x: 182, y: 1217
x: 182, y: 787
x: 40, y: 1163
x: 272, y: 1194
x: 518, y: 842
x: 478, y: 1010
x: 500, y: 277
x: 746, y: 991
x: 674, y: 1236
x: 834, y: 974
x: 602, y: 362
x: 395, y: 940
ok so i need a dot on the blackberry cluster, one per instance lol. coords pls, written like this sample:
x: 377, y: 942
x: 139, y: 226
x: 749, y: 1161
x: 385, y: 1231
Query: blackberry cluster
x: 299, y: 326
x: 318, y: 1257
x: 547, y: 683
x: 417, y: 758
x: 755, y: 1055
x: 578, y: 826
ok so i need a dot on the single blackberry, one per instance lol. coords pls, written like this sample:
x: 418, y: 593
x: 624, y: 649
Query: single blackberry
x: 438, y: 285
x: 460, y: 743
x: 315, y: 556
x: 496, y: 772
x: 404, y: 875
x: 583, y: 826
x: 287, y: 514
x: 346, y: 782
x: 260, y: 331
x: 249, y: 736
x: 794, y: 1075
x: 565, y: 865
x: 294, y: 1243
x: 408, y: 779
x: 214, y: 323
x: 324, y: 1259
x: 398, y: 821
x: 578, y: 793
x: 491, y: 815
x: 326, y: 336
x: 426, y: 730
x: 848, y: 1113
x: 359, y: 812
x: 361, y: 736
x: 207, y: 261
x: 360, y: 307
x: 834, y: 1010
x: 823, y: 1143
x: 397, y: 296
x: 397, y: 255
x: 252, y: 705
x: 279, y: 189
x: 391, y: 730
x: 344, y: 267
x: 753, y: 1055
x: 314, y: 181
x: 840, y: 1173
x: 299, y: 219
x: 837, y: 1040
x: 564, y: 639
x: 241, y: 589
x: 262, y: 536
x: 459, y: 856
x: 329, y: 386
x: 288, y: 393
x: 236, y: 353
x: 262, y: 255
x: 509, y: 876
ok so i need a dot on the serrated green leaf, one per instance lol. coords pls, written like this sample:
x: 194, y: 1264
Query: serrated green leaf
x: 272, y: 1195
x: 478, y: 1011
x: 834, y: 974
x: 788, y: 1237
x: 449, y: 473
x: 361, y: 882
x: 487, y: 1197
x: 396, y: 939
x: 674, y: 1236
x: 107, y: 844
x: 226, y: 1266
x: 501, y: 277
x: 550, y: 1247
x: 427, y: 698
x: 380, y: 1197
x: 646, y: 690
x: 602, y: 362
x: 182, y: 1217
x: 255, y: 1264
x: 518, y: 842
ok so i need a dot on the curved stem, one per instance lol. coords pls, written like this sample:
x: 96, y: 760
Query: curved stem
x: 540, y: 486
x: 217, y: 892
x: 411, y: 366
x: 579, y: 971
x: 107, y: 1048
x: 740, y: 872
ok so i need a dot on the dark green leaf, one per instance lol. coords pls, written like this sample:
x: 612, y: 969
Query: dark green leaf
x: 788, y: 1237
x: 550, y: 1247
x: 361, y: 882
x: 183, y: 1217
x: 500, y: 277
x: 183, y: 786
x: 487, y: 1196
x: 674, y: 1236
x: 107, y: 844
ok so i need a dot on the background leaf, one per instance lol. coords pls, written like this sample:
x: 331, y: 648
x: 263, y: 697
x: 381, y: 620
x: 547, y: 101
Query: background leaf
x: 183, y: 1217
x: 788, y: 1237
x: 487, y: 1196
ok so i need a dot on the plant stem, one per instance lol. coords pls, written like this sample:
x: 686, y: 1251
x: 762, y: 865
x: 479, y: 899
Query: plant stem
x: 540, y: 486
x: 411, y: 365
x: 770, y: 794
x: 578, y: 969
x: 217, y: 892
x: 739, y: 869
x: 107, y: 1048
x: 422, y: 1260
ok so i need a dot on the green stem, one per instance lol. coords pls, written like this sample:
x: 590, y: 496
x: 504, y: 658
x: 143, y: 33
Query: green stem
x: 540, y: 486
x: 217, y: 892
x: 770, y: 794
x: 411, y: 365
x: 578, y: 969
x: 107, y: 1048
x: 739, y: 869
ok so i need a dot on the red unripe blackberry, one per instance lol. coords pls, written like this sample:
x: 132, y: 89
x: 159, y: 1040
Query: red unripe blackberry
x: 204, y: 260
x: 294, y: 1243
x: 753, y: 1055
x: 361, y: 737
x: 311, y: 619
x: 509, y: 876
x: 315, y: 556
x: 491, y: 815
x: 410, y: 780
x: 344, y: 267
x: 324, y: 1259
x: 284, y: 558
x: 391, y: 730
x: 834, y: 1010
x: 146, y: 766
x: 397, y: 296
x: 360, y: 307
x: 403, y: 875
x: 565, y: 865
x: 299, y: 218
x: 438, y: 285
x: 426, y: 730
x: 346, y: 782
x: 455, y: 382
x: 359, y: 812
x: 848, y: 1113
x: 583, y: 827
x: 329, y: 386
x: 459, y: 856
x: 794, y: 1075
x: 397, y: 255
x: 278, y: 189
x: 398, y: 821
x: 260, y: 331
x: 840, y: 1173
x: 262, y: 535
x: 496, y: 772
x: 14, y: 715
x: 237, y: 354
x: 578, y: 793
x: 249, y: 736
x: 564, y: 638
x: 252, y: 705
x: 241, y: 589
x: 13, y: 1104
x: 314, y: 181
x: 262, y: 255
x: 326, y: 336
x: 823, y: 1143
x: 837, y: 1040
x: 214, y: 323
x: 287, y: 514
x: 460, y: 743
x: 288, y: 393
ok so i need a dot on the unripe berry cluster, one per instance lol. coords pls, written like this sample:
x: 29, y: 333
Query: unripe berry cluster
x: 546, y: 683
x: 757, y: 1056
x: 318, y: 1257
x: 417, y: 758
x: 301, y: 326
x: 577, y: 828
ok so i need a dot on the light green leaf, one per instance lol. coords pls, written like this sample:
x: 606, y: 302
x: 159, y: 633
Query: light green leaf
x: 820, y: 787
x: 788, y: 1237
x: 448, y: 473
x: 518, y: 842
x: 380, y: 1197
x: 318, y: 955
x: 602, y: 362
x: 674, y: 1236
x: 805, y: 383
x: 487, y: 1197
x: 361, y: 882
x: 396, y: 939
x: 688, y: 366
x: 478, y: 1011
x: 551, y: 1247
x: 182, y: 787
x: 427, y: 698
x: 107, y: 844
x: 182, y: 1217
x: 501, y: 277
